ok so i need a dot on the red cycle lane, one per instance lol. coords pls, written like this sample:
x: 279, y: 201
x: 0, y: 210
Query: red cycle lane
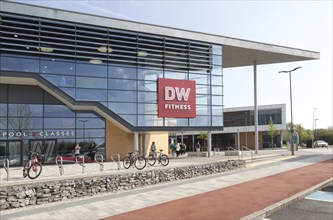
x: 237, y: 201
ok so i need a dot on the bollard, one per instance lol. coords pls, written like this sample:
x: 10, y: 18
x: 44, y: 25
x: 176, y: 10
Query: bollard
x: 116, y: 161
x: 101, y: 166
x: 61, y: 167
x: 80, y: 163
x: 6, y: 166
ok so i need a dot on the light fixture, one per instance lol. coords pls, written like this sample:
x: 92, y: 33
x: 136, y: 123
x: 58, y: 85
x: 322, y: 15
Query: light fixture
x: 104, y: 49
x: 94, y: 61
x: 15, y: 35
x: 45, y: 49
x: 142, y: 54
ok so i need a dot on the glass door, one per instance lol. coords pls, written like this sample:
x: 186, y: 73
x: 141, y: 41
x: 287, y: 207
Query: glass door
x: 11, y: 150
x: 47, y: 147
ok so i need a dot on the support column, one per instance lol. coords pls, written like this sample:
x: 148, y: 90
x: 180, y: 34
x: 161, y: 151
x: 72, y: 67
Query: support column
x: 255, y: 109
x: 136, y: 141
x: 238, y: 140
x: 209, y: 143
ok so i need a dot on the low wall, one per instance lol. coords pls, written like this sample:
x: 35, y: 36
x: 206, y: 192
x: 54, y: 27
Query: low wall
x: 16, y: 196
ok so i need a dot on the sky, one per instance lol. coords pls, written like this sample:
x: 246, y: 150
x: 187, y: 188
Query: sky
x: 298, y: 24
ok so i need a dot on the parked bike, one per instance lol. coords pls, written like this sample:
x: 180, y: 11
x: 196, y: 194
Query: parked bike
x: 33, y: 168
x: 162, y: 159
x: 134, y: 159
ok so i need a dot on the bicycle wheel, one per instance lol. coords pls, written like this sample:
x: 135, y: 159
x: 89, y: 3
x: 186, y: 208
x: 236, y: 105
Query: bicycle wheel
x: 127, y: 162
x: 35, y: 170
x: 140, y: 162
x: 25, y: 168
x: 164, y: 160
x: 151, y: 160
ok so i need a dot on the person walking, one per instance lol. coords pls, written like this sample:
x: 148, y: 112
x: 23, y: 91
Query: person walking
x: 77, y: 151
x: 153, y: 148
x: 178, y: 149
x: 197, y: 148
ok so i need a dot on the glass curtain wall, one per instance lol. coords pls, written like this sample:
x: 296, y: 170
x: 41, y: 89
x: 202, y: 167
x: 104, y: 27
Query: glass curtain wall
x: 116, y: 68
x: 45, y: 125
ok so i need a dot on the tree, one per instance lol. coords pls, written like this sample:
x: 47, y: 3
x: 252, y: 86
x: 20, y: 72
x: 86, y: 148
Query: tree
x: 304, y: 134
x: 203, y: 136
x: 272, y: 132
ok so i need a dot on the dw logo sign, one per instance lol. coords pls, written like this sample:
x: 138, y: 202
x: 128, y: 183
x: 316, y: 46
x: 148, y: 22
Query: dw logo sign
x: 176, y: 98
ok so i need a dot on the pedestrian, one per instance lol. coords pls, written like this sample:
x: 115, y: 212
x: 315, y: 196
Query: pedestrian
x: 77, y: 151
x: 197, y: 148
x: 173, y: 148
x: 178, y: 149
x: 153, y: 149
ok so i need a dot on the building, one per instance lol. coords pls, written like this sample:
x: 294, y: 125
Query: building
x: 239, y: 130
x: 113, y: 86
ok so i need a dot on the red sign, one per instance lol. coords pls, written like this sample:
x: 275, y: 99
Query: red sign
x: 176, y: 98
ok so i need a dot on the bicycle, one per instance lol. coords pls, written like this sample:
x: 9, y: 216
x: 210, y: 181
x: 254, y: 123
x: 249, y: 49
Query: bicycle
x: 134, y: 159
x: 162, y: 159
x: 33, y: 168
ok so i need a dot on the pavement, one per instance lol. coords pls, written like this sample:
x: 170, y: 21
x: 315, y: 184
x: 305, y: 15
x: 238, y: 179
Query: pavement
x: 273, y: 180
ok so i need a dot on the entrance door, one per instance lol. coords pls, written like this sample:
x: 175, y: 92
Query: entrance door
x: 11, y: 150
x: 47, y: 147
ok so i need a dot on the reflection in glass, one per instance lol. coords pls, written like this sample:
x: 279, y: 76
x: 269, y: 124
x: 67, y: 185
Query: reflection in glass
x: 203, y: 99
x: 200, y: 121
x: 66, y: 81
x: 49, y: 66
x: 217, y: 121
x: 91, y: 94
x: 217, y: 49
x: 89, y: 82
x: 217, y: 80
x: 200, y: 79
x: 217, y: 90
x: 176, y: 122
x: 149, y: 109
x: 217, y: 70
x: 203, y: 110
x: 217, y: 100
x: 202, y: 89
x: 91, y: 70
x: 217, y: 60
x: 69, y: 91
x: 88, y: 133
x: 122, y: 84
x: 58, y: 111
x: 217, y: 110
x: 25, y: 110
x: 148, y: 97
x: 130, y: 119
x: 149, y: 74
x: 149, y: 120
x: 54, y: 123
x: 147, y: 86
x: 123, y: 108
x: 175, y: 75
x: 122, y: 72
x: 19, y: 64
x: 90, y: 123
x: 122, y: 96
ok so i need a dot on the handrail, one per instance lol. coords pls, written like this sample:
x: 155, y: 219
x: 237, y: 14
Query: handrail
x: 246, y: 148
x: 6, y: 166
x: 116, y: 161
x: 233, y: 149
x: 61, y: 167
x: 81, y: 164
x: 101, y: 166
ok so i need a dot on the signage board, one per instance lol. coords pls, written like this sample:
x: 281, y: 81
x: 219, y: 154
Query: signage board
x: 176, y: 98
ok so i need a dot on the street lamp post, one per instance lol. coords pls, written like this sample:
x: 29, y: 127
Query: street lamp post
x: 315, y: 127
x: 84, y: 129
x: 291, y: 105
x: 313, y: 121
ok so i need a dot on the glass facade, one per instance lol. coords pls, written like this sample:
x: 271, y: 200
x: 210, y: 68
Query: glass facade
x: 32, y: 119
x: 116, y: 68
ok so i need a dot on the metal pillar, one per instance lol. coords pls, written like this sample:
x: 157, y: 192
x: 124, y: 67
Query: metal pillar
x: 136, y: 141
x: 255, y: 109
x: 209, y: 143
x: 238, y: 140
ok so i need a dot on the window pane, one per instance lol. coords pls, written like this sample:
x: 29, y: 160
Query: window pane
x: 200, y: 121
x: 203, y: 110
x: 202, y: 89
x: 25, y: 110
x: 24, y: 123
x: 203, y: 99
x: 19, y: 64
x: 89, y: 82
x: 149, y: 74
x: 147, y: 97
x: 150, y: 120
x: 217, y: 121
x: 91, y: 95
x: 122, y: 84
x: 56, y: 123
x: 66, y: 68
x: 90, y: 123
x: 200, y: 79
x: 149, y: 109
x: 217, y: 49
x: 217, y: 90
x: 122, y: 72
x: 130, y: 119
x: 68, y: 91
x: 217, y: 100
x: 89, y: 133
x: 147, y: 86
x: 176, y: 122
x: 57, y: 111
x: 217, y: 80
x: 122, y: 96
x: 175, y: 75
x: 217, y: 60
x: 91, y: 70
x: 123, y: 108
x: 66, y: 81
x: 217, y: 110
x: 3, y: 109
x: 217, y: 70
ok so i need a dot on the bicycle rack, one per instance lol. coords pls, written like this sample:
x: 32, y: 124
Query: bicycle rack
x: 116, y: 161
x: 61, y: 167
x: 6, y: 166
x: 81, y: 163
x: 100, y: 162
